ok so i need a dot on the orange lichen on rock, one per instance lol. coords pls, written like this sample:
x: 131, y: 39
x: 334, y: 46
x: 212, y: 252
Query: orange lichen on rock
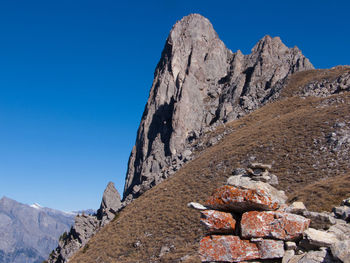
x: 273, y: 224
x: 241, y: 200
x: 218, y: 222
x: 227, y: 248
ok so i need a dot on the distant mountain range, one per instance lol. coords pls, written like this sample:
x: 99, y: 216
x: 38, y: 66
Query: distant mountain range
x: 28, y: 233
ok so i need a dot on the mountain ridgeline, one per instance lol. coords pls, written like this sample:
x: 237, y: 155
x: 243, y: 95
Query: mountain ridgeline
x: 199, y: 84
x: 210, y: 110
x: 29, y: 233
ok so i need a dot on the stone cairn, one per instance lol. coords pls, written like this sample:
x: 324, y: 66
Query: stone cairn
x: 248, y: 220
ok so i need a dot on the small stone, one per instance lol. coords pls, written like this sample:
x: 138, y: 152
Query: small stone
x: 227, y: 248
x: 288, y: 255
x: 296, y: 208
x: 319, y: 220
x: 239, y: 171
x: 319, y: 238
x: 164, y: 250
x: 218, y: 222
x: 289, y: 245
x: 269, y: 249
x: 186, y: 153
x: 273, y: 180
x: 197, y: 206
x: 341, y: 250
x: 260, y: 166
x: 241, y: 200
x: 274, y: 224
x: 240, y: 181
x: 346, y: 202
x: 342, y: 212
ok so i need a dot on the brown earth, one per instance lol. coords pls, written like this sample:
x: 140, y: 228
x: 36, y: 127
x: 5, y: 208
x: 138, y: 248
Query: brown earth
x: 291, y: 134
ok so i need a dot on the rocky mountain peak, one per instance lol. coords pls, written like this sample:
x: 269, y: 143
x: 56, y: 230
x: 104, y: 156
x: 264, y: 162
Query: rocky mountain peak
x: 199, y: 84
x: 269, y: 45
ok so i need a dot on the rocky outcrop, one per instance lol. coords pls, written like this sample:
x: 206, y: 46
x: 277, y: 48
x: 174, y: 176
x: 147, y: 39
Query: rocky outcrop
x: 237, y: 234
x: 110, y: 205
x: 198, y: 84
x: 327, y: 87
x: 86, y: 226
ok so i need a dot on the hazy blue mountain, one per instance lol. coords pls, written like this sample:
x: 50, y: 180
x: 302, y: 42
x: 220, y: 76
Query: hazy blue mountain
x: 28, y: 233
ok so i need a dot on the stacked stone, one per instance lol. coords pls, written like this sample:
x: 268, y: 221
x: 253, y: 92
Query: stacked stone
x: 247, y: 219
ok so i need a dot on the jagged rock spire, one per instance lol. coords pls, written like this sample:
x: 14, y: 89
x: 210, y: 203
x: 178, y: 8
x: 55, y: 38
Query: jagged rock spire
x: 198, y: 84
x: 110, y: 204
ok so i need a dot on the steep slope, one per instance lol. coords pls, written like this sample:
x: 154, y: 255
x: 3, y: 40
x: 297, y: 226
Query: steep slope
x: 305, y: 135
x: 199, y: 84
x: 29, y: 233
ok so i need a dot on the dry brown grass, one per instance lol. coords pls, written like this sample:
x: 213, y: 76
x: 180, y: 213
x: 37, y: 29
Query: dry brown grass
x: 324, y: 194
x: 282, y: 133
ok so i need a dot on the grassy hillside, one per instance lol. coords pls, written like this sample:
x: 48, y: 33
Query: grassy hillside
x: 292, y: 134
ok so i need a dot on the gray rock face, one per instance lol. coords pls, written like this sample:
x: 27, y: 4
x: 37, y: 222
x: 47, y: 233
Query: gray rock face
x: 110, y: 204
x: 29, y: 233
x: 86, y: 226
x: 198, y: 84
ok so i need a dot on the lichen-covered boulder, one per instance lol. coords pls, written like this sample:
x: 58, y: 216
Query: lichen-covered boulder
x: 241, y: 200
x: 244, y: 182
x: 227, y: 248
x: 218, y: 222
x: 273, y: 224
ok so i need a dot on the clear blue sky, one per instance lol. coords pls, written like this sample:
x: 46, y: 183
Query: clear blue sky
x: 75, y: 76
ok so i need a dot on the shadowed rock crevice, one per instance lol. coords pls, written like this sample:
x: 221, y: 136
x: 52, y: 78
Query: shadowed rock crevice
x: 162, y: 123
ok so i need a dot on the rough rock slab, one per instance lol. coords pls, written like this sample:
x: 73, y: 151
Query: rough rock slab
x: 340, y: 230
x: 319, y: 220
x: 269, y: 249
x: 322, y: 256
x: 244, y: 182
x: 241, y: 200
x: 319, y: 238
x: 273, y: 224
x: 296, y: 208
x: 218, y: 222
x: 341, y: 250
x: 227, y: 249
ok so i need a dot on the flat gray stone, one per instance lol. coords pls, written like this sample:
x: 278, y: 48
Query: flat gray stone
x: 319, y: 238
x: 341, y: 250
x: 196, y: 206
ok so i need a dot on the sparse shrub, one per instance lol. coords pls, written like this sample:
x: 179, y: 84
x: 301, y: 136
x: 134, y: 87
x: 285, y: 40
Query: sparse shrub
x: 63, y: 236
x: 86, y: 247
